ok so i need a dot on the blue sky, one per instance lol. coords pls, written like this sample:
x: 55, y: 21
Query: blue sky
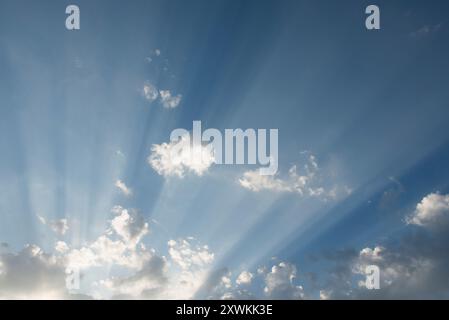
x: 368, y: 108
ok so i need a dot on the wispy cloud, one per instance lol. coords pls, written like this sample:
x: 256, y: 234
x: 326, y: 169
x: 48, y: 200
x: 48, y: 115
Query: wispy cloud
x: 305, y: 182
x: 426, y: 30
x: 60, y: 226
x: 155, y: 53
x: 123, y: 188
x: 150, y: 92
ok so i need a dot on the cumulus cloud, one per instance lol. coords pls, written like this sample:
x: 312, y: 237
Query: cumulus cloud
x: 168, y: 100
x: 308, y: 182
x: 106, y: 251
x: 178, y: 158
x: 415, y: 265
x: 31, y: 274
x: 123, y: 188
x: 61, y: 247
x: 431, y: 212
x: 129, y: 225
x: 392, y: 268
x: 178, y: 276
x: 403, y: 275
x: 117, y: 264
x: 186, y: 273
x: 279, y: 282
x: 186, y: 255
x: 244, y: 278
x: 120, y: 245
x: 190, y: 264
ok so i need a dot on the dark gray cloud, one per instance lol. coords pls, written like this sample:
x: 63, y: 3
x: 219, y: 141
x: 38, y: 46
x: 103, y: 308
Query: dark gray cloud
x: 414, y: 265
x: 31, y: 274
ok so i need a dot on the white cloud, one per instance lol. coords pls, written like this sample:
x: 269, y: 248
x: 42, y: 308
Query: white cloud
x: 226, y: 281
x: 253, y: 181
x: 143, y: 273
x: 150, y: 92
x: 244, y: 278
x: 372, y: 255
x: 398, y: 270
x: 432, y: 211
x: 146, y: 275
x: 178, y: 276
x: 416, y: 266
x: 133, y: 271
x: 308, y: 183
x: 61, y: 247
x: 179, y: 158
x: 129, y: 225
x: 60, y: 226
x: 103, y: 251
x: 187, y: 255
x: 123, y: 188
x: 279, y: 282
x: 127, y: 251
x: 168, y: 100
